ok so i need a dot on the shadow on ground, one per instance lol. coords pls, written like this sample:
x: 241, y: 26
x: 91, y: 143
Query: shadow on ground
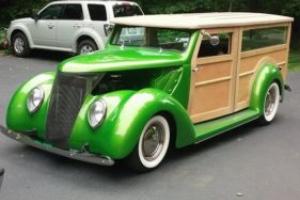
x: 50, y: 55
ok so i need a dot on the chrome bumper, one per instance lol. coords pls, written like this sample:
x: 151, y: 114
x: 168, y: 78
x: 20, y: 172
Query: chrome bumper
x: 73, y: 154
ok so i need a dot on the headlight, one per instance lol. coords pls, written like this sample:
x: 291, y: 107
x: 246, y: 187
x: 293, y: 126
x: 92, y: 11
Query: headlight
x: 35, y: 99
x: 97, y: 113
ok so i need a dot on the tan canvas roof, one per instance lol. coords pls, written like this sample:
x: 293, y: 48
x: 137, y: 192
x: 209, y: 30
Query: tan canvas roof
x: 202, y: 20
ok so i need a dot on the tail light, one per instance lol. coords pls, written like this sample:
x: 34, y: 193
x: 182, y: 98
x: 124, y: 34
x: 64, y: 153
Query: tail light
x: 108, y: 28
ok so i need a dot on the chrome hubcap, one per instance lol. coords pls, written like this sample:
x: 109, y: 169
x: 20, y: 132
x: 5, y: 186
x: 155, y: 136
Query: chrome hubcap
x: 153, y: 141
x: 19, y: 45
x: 270, y: 101
x: 86, y: 49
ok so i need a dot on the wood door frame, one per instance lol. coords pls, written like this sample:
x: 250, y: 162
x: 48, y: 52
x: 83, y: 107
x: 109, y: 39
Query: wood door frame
x: 196, y: 61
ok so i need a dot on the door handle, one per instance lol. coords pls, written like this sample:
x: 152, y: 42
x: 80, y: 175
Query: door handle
x: 196, y: 69
x: 76, y: 26
x: 51, y: 26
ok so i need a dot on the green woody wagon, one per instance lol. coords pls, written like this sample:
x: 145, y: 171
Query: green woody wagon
x: 174, y: 81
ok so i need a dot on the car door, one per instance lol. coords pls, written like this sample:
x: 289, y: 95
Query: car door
x: 70, y: 22
x: 213, y: 76
x: 43, y: 30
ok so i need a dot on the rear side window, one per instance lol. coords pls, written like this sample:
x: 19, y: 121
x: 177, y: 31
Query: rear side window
x: 97, y: 12
x: 73, y: 12
x: 260, y: 38
x: 122, y: 10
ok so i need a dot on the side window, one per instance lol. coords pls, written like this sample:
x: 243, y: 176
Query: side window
x: 52, y: 12
x: 73, y: 12
x: 259, y: 38
x: 121, y: 10
x: 223, y: 48
x: 97, y: 12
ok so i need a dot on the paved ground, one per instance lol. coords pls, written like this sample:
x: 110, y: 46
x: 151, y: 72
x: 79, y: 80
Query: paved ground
x: 257, y: 163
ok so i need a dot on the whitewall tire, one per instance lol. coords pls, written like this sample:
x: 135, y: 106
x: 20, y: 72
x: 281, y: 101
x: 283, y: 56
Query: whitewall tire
x: 152, y: 146
x: 271, y: 103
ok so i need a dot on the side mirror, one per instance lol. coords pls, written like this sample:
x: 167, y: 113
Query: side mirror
x: 35, y: 17
x: 214, y: 40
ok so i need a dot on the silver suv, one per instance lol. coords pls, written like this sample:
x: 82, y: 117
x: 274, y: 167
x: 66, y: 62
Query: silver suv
x: 72, y: 26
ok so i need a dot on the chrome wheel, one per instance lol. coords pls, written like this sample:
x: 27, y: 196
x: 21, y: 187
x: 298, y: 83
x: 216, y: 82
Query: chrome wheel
x: 154, y: 142
x: 85, y: 49
x: 272, y: 100
x: 19, y: 45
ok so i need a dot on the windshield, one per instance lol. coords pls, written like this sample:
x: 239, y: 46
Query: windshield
x: 123, y: 10
x: 160, y: 38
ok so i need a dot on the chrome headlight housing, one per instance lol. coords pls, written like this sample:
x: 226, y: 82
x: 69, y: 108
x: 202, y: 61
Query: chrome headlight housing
x: 35, y: 99
x: 97, y: 113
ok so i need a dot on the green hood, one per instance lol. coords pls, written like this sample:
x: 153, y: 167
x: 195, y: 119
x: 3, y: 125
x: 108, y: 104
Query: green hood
x: 117, y: 59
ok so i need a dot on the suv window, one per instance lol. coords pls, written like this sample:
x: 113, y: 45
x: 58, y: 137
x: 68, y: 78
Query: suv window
x: 223, y: 48
x: 97, y: 12
x: 122, y: 10
x: 52, y: 12
x: 259, y: 38
x: 73, y: 12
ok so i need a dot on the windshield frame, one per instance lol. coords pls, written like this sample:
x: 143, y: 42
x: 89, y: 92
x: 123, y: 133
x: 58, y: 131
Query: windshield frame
x: 118, y: 27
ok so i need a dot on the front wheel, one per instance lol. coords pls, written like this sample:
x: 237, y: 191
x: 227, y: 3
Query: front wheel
x: 20, y: 45
x: 271, y: 104
x: 152, y: 146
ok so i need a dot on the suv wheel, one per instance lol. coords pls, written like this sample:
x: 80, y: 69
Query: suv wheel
x: 86, y: 46
x: 20, y: 45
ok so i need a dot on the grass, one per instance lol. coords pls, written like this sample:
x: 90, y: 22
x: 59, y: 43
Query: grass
x: 294, y: 60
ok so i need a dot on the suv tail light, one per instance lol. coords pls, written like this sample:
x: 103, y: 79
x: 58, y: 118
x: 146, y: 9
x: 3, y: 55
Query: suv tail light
x: 108, y: 28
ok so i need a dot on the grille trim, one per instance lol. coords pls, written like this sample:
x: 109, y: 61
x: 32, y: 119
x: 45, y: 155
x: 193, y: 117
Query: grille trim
x: 67, y: 97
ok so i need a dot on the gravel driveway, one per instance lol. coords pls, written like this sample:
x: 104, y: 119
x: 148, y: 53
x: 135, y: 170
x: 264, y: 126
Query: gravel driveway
x: 255, y: 163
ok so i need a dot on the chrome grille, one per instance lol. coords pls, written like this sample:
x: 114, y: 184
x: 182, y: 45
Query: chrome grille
x: 67, y: 97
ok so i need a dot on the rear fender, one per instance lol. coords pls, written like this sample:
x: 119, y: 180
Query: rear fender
x: 266, y: 75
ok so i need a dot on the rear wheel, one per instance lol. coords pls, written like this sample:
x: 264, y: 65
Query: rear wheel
x: 86, y: 46
x: 20, y: 45
x: 152, y: 146
x: 271, y: 104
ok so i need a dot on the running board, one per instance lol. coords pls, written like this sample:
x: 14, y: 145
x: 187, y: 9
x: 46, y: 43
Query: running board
x: 213, y: 128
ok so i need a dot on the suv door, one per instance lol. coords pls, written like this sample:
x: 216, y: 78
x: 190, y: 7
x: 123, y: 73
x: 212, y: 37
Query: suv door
x: 43, y: 30
x: 70, y: 22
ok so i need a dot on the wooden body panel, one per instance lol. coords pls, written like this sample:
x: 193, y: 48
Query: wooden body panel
x: 221, y: 85
x: 213, y: 82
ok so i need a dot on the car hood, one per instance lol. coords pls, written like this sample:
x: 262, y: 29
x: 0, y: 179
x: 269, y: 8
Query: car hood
x: 121, y: 59
x: 22, y: 20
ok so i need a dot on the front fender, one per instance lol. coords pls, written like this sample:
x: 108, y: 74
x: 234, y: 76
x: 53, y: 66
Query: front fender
x: 18, y: 117
x: 128, y: 112
x: 266, y: 75
x: 21, y: 28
